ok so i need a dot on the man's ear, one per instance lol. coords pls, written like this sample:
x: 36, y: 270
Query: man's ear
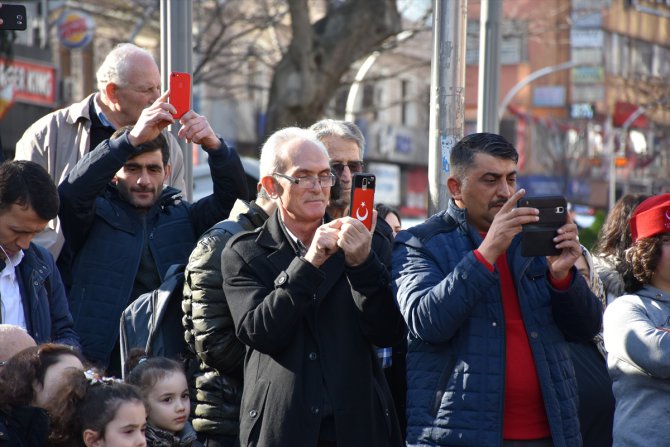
x: 454, y: 186
x: 168, y: 171
x: 111, y: 92
x: 271, y: 186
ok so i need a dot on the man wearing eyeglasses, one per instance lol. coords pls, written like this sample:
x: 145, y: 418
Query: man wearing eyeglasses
x: 309, y: 299
x: 345, y: 142
x: 128, y: 82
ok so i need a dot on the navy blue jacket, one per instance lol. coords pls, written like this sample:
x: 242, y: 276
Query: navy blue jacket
x: 105, y: 234
x: 45, y: 305
x: 456, y: 355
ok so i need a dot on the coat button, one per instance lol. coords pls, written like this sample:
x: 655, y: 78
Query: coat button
x: 315, y: 410
x: 281, y: 280
x: 494, y: 324
x: 533, y: 334
x: 253, y: 413
x: 312, y: 355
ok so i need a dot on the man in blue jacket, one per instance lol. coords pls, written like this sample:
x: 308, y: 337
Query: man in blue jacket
x: 32, y: 295
x: 126, y: 229
x: 487, y: 362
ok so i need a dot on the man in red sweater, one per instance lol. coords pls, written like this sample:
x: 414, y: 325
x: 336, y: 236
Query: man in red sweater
x: 487, y: 362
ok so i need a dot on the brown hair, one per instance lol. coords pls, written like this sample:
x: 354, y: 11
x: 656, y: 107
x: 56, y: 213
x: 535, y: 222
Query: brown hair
x: 642, y: 259
x: 614, y: 236
x: 26, y: 368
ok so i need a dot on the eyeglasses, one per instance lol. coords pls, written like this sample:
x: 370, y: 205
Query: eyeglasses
x: 354, y: 166
x: 324, y: 181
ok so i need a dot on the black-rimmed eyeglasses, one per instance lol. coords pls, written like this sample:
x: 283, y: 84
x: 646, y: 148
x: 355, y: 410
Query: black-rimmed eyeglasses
x: 354, y: 166
x: 325, y: 181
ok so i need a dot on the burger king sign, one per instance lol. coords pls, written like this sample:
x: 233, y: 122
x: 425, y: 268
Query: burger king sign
x: 75, y: 29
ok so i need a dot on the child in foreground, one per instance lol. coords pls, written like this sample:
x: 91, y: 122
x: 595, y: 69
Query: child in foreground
x: 163, y: 385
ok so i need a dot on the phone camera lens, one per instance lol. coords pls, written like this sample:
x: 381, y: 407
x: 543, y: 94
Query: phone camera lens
x: 19, y: 17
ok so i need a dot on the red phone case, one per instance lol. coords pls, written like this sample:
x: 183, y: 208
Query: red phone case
x: 180, y: 93
x: 363, y: 198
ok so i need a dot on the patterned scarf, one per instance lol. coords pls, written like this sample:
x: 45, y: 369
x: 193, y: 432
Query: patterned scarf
x: 157, y: 437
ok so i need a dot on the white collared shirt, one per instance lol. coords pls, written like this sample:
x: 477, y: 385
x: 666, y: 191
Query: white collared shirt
x: 10, y: 293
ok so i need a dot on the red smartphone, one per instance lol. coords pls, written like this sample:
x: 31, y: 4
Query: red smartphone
x: 363, y: 198
x: 180, y: 93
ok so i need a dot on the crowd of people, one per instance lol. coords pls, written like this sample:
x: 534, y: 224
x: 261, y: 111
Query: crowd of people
x: 296, y: 325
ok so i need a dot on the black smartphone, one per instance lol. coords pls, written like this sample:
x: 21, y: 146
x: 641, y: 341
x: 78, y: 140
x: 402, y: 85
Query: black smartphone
x: 13, y: 17
x: 537, y: 238
x: 362, y: 198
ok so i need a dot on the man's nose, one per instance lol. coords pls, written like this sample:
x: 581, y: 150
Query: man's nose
x: 505, y: 190
x: 23, y: 241
x: 143, y: 179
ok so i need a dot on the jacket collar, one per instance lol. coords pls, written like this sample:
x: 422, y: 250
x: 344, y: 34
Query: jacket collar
x: 80, y: 110
x: 651, y: 292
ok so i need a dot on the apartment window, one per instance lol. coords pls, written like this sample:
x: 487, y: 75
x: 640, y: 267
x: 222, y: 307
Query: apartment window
x: 661, y: 62
x: 513, y: 45
x: 641, y: 58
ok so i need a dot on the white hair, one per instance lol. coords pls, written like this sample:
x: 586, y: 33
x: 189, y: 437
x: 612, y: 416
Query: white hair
x: 271, y: 154
x: 339, y: 128
x: 116, y: 65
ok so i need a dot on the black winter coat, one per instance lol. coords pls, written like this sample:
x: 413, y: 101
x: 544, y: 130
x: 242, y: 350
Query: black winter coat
x: 310, y: 334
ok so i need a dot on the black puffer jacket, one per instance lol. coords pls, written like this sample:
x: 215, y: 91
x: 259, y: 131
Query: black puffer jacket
x: 217, y: 356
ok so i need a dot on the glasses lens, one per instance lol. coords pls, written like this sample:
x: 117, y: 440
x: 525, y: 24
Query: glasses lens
x: 354, y: 166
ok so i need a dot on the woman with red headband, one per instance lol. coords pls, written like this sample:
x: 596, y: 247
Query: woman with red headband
x: 637, y: 332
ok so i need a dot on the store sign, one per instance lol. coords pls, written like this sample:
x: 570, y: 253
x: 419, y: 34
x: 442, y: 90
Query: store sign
x: 587, y: 75
x: 549, y: 96
x: 75, y: 29
x: 587, y: 93
x: 581, y: 111
x: 593, y: 38
x: 387, y: 190
x: 26, y: 82
x: 660, y: 8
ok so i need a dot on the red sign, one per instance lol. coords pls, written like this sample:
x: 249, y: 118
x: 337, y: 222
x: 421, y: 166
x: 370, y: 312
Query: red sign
x: 623, y: 111
x: 27, y: 82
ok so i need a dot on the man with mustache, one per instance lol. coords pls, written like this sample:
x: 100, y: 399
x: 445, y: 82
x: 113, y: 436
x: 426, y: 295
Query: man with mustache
x: 125, y: 229
x: 487, y: 362
x: 128, y: 82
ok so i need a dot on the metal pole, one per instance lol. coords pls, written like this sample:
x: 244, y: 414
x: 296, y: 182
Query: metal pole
x: 489, y: 66
x: 447, y: 100
x: 176, y: 55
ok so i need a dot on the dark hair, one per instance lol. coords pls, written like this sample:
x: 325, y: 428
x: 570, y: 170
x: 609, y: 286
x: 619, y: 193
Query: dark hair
x: 101, y: 403
x: 385, y: 210
x: 28, y: 184
x: 463, y: 154
x: 26, y: 368
x: 145, y: 372
x: 614, y: 236
x: 149, y: 146
x: 642, y: 259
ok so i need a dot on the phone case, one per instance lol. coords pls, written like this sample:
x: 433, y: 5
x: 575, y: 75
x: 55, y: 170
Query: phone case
x: 363, y: 198
x: 537, y: 238
x: 13, y: 17
x: 180, y: 93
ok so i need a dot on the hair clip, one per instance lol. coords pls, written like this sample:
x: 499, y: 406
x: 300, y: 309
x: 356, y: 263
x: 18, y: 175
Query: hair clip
x: 142, y: 360
x: 94, y: 378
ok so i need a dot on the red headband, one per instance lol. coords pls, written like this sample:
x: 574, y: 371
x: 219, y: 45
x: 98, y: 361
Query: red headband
x: 651, y: 217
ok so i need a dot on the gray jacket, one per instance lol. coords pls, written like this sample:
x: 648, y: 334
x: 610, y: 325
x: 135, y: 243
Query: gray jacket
x: 57, y: 141
x: 637, y: 339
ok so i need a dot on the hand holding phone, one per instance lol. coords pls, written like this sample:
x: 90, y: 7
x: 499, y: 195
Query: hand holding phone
x: 362, y: 198
x: 180, y: 93
x: 537, y: 239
